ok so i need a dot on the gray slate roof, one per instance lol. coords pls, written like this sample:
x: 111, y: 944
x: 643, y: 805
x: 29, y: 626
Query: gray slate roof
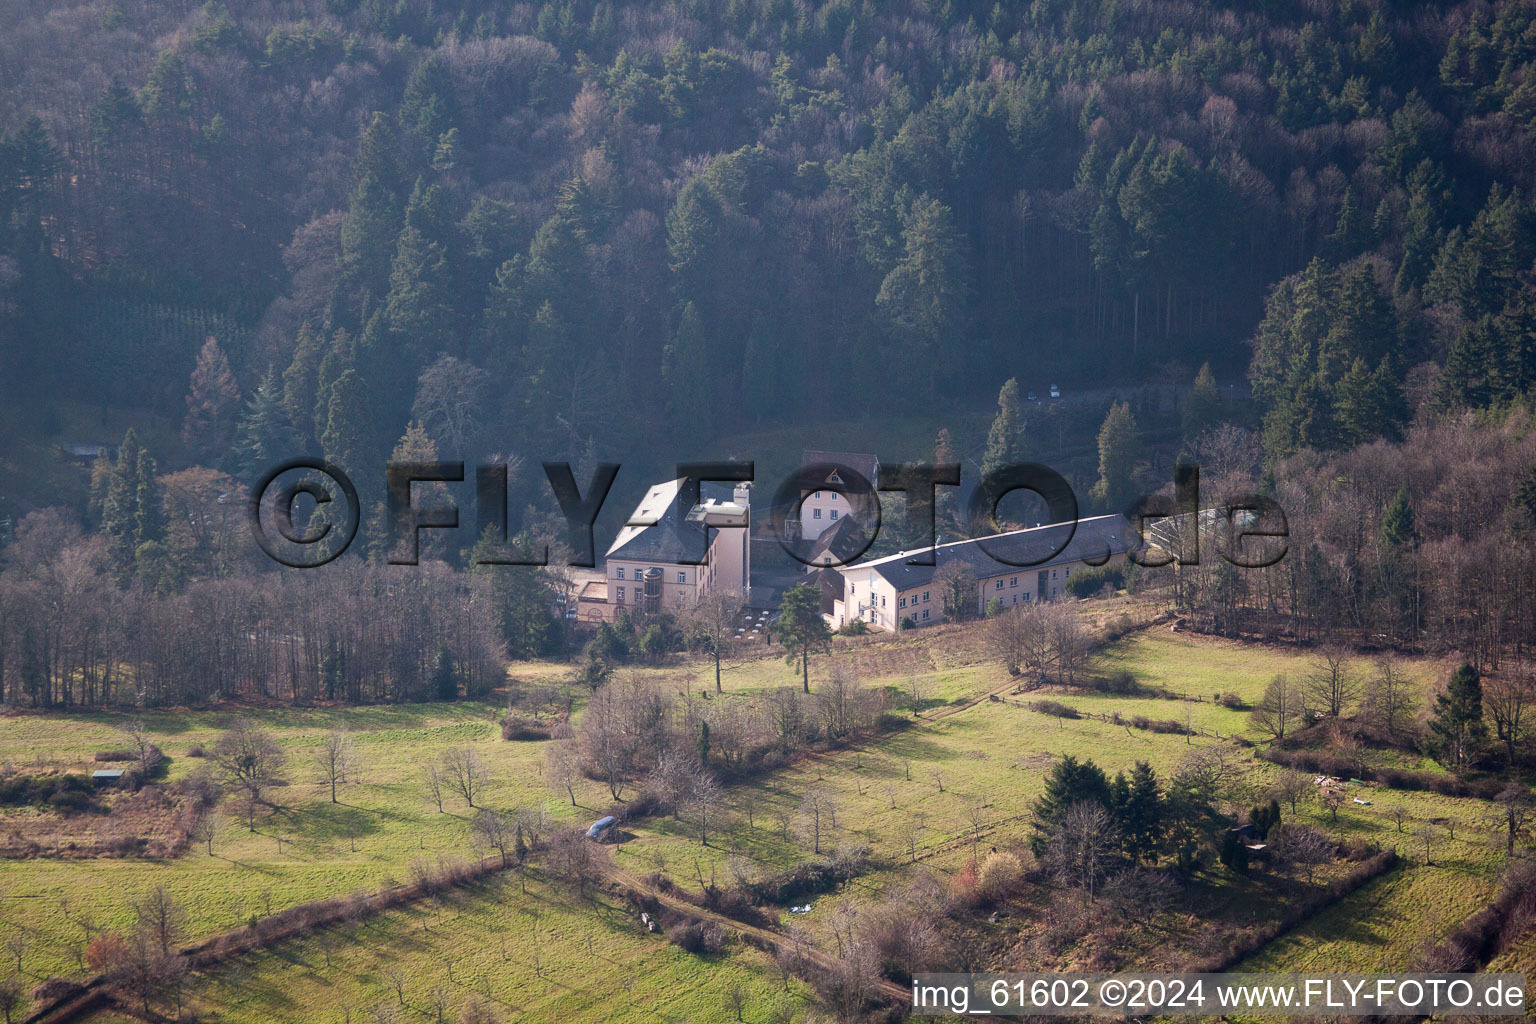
x: 1093, y: 538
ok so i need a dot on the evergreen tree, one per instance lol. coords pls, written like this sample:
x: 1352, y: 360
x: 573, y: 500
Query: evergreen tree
x: 801, y: 627
x: 1203, y: 407
x: 213, y: 403
x: 1069, y: 782
x: 1398, y: 530
x: 1139, y: 811
x: 371, y: 228
x: 263, y: 436
x: 301, y: 385
x: 924, y: 296
x: 1367, y: 404
x: 1457, y: 732
x: 347, y: 435
x: 1117, y: 459
x: 419, y: 308
x: 1005, y: 439
x: 685, y: 370
x: 445, y: 674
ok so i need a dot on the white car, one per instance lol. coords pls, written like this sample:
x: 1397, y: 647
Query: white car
x: 1055, y: 391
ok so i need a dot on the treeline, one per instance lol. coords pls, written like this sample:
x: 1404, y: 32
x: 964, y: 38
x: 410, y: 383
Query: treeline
x: 71, y: 636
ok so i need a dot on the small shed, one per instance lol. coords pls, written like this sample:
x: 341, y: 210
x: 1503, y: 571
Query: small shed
x: 107, y: 776
x: 599, y: 826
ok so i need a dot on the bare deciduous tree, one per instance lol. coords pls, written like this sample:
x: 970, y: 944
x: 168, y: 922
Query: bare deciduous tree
x: 1389, y: 697
x: 1510, y: 698
x: 207, y: 829
x: 466, y: 772
x: 1083, y: 846
x: 494, y: 831
x: 562, y: 767
x: 251, y: 761
x: 1278, y: 711
x: 1293, y: 787
x: 1307, y: 848
x: 11, y: 999
x: 338, y: 759
x: 159, y: 914
x: 713, y: 623
x: 706, y: 801
x: 1331, y: 687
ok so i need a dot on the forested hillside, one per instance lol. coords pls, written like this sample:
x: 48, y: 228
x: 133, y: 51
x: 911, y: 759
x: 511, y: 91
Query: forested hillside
x: 545, y: 227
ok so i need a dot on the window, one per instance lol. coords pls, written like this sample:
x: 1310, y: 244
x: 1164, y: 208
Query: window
x: 1013, y: 582
x: 1026, y: 597
x: 834, y: 495
x: 1053, y: 574
x: 834, y: 513
x: 925, y: 597
x: 925, y: 613
x: 817, y: 495
x: 1068, y: 571
x: 682, y: 577
x: 816, y: 513
x: 621, y: 572
x: 999, y: 585
x: 621, y: 595
x: 882, y: 600
x: 902, y: 603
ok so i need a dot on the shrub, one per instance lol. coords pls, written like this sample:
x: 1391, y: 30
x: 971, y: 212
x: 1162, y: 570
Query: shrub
x: 1230, y: 700
x: 854, y: 627
x: 1088, y: 582
x: 516, y: 727
x: 696, y: 937
x: 116, y: 755
x: 1054, y: 708
x: 196, y: 750
x: 999, y: 875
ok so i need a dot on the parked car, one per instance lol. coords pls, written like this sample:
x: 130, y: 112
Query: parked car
x: 1055, y: 391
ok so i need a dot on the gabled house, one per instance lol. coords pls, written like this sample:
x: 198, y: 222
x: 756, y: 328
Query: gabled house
x: 645, y: 568
x: 823, y: 509
x: 885, y: 591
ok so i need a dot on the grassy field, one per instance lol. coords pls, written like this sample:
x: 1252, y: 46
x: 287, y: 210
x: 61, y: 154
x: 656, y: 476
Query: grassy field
x: 385, y: 811
x: 947, y: 785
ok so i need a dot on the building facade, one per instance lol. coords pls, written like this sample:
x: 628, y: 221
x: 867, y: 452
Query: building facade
x: 645, y: 566
x: 885, y: 591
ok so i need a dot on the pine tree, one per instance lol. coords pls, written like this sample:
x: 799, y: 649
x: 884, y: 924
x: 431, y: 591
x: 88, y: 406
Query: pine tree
x: 419, y: 308
x: 1457, y: 732
x: 801, y: 627
x: 924, y: 296
x: 685, y: 369
x: 1140, y: 813
x: 1368, y: 403
x: 1398, y: 530
x: 1203, y: 407
x: 1118, y: 448
x: 301, y: 385
x: 213, y: 403
x: 263, y: 436
x: 1069, y: 782
x: 1005, y: 439
x: 372, y: 225
x: 445, y: 674
x: 347, y: 433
